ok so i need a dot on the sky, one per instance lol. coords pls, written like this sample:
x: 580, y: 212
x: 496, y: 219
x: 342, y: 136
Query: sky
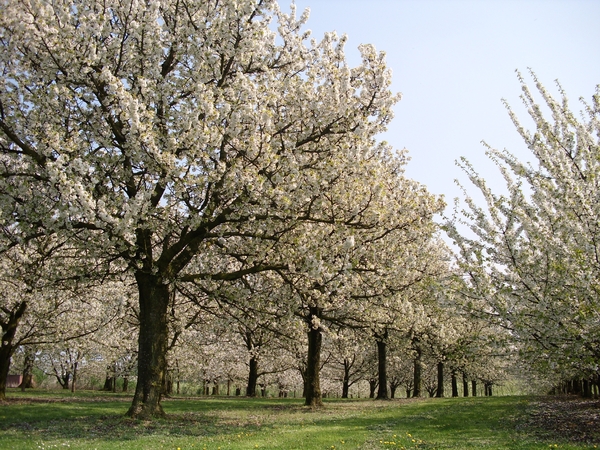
x: 454, y: 60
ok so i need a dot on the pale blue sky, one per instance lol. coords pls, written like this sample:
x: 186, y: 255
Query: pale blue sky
x: 453, y: 61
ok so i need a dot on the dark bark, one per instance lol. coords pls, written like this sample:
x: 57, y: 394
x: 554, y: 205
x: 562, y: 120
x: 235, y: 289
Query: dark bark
x: 126, y: 383
x: 168, y: 384
x: 252, y: 377
x: 395, y: 383
x: 417, y: 369
x: 465, y: 385
x: 152, y: 347
x: 440, y: 380
x: 474, y: 388
x: 7, y: 348
x: 248, y: 337
x: 488, y: 389
x: 346, y: 380
x: 63, y: 377
x: 587, y: 388
x: 382, y: 392
x: 108, y: 383
x: 313, y: 361
x: 454, y: 385
x: 304, y: 383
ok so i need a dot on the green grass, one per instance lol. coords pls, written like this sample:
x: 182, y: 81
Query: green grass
x: 92, y: 420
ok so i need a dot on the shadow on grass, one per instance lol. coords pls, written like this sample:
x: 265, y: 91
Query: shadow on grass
x: 103, y: 417
x: 460, y: 423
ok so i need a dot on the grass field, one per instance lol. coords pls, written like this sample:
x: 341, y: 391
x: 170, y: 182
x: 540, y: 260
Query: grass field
x: 93, y: 420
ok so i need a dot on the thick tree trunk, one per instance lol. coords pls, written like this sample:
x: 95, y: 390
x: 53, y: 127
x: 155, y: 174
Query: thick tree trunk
x: 313, y: 362
x: 474, y: 386
x: 465, y: 385
x: 382, y: 391
x: 440, y: 380
x: 27, y: 381
x: 417, y: 381
x: 345, y: 388
x: 6, y: 352
x: 152, y: 347
x: 252, y: 377
x: 7, y: 348
x: 454, y: 385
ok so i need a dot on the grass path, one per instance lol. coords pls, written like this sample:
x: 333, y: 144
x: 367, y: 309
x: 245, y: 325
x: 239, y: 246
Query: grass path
x: 91, y: 420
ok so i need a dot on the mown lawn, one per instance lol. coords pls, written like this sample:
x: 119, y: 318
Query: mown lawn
x: 92, y: 420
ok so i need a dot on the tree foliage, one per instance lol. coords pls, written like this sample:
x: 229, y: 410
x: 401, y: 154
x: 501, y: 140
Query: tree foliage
x: 184, y: 142
x: 533, y: 253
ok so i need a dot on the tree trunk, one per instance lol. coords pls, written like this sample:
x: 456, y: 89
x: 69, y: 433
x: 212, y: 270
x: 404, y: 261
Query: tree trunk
x: 474, y: 388
x: 252, y: 377
x: 304, y: 382
x: 454, y: 384
x: 6, y: 351
x: 346, y: 380
x: 382, y: 392
x: 587, y: 388
x: 372, y: 387
x: 152, y: 346
x: 417, y: 366
x: 313, y: 362
x: 488, y: 389
x: 9, y: 330
x: 114, y: 377
x: 74, y: 379
x: 108, y: 384
x: 64, y: 378
x: 27, y: 381
x: 465, y: 385
x: 440, y: 380
x: 126, y: 383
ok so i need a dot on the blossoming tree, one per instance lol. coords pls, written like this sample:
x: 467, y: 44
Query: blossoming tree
x: 163, y: 136
x: 532, y: 254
